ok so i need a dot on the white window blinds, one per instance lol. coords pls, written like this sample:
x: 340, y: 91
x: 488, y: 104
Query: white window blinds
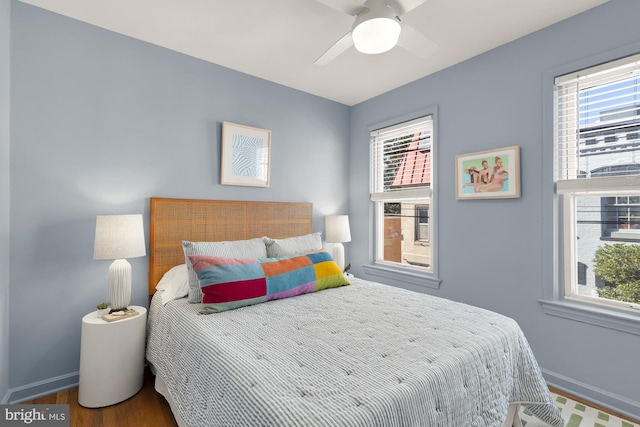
x: 597, y: 126
x: 401, y: 161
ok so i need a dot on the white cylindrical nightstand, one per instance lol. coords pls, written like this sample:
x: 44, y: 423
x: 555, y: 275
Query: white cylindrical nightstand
x: 111, y: 359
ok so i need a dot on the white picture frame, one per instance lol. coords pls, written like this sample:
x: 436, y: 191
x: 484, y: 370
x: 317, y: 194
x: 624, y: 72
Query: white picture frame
x: 502, y: 179
x: 245, y: 155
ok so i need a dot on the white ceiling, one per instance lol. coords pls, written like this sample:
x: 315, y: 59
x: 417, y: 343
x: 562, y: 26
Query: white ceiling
x: 279, y: 40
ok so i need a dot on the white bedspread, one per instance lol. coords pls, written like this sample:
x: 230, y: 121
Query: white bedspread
x: 362, y: 355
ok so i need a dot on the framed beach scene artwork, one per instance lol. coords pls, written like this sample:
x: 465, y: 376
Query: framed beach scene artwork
x: 491, y: 174
x: 246, y: 155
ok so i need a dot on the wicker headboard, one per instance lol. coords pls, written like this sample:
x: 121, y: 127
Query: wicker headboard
x: 174, y: 220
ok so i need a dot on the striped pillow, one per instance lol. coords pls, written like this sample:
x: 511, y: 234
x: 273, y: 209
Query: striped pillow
x: 229, y: 283
x: 293, y: 245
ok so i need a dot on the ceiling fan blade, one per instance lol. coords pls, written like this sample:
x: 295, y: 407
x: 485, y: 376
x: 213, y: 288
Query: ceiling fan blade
x: 408, y: 5
x: 413, y: 41
x: 350, y: 7
x: 334, y: 51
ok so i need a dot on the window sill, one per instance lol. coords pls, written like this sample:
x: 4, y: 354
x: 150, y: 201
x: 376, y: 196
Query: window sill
x: 619, y: 320
x: 404, y: 275
x: 633, y: 239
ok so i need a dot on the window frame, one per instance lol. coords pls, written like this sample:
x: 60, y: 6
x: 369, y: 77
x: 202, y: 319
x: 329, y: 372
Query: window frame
x: 553, y: 301
x: 405, y: 275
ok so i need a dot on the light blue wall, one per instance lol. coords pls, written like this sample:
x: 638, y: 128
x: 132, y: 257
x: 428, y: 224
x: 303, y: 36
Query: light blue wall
x: 493, y: 254
x: 102, y: 122
x: 5, y: 24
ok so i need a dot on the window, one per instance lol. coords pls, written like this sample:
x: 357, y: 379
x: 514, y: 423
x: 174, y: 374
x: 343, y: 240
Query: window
x: 597, y: 171
x: 621, y: 217
x: 422, y: 223
x: 401, y: 182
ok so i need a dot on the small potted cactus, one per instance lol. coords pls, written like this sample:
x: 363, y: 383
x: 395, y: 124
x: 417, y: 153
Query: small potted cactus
x: 103, y: 308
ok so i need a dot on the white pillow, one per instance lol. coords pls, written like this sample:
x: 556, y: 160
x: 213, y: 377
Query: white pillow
x: 293, y: 245
x: 174, y: 284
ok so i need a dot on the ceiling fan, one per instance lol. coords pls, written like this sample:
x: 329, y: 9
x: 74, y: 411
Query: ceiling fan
x: 377, y: 28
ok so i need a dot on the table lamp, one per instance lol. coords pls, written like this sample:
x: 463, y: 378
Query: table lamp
x: 119, y: 237
x: 337, y: 231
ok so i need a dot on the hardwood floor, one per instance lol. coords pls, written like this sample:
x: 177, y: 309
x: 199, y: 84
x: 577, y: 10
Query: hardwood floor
x: 146, y: 409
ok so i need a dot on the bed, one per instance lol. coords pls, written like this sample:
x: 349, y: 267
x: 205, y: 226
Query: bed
x: 364, y: 355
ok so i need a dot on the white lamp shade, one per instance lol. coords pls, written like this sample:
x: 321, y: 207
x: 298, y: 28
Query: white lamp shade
x: 336, y: 228
x: 119, y: 236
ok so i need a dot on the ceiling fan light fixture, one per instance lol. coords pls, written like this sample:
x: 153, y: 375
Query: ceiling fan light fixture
x: 376, y: 35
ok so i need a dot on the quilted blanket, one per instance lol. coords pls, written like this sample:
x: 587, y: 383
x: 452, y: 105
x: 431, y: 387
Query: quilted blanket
x: 363, y: 355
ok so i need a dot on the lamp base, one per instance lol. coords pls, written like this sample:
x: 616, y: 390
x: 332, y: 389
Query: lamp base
x: 338, y: 255
x: 119, y: 285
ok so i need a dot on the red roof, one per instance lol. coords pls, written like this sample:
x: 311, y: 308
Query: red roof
x: 416, y: 165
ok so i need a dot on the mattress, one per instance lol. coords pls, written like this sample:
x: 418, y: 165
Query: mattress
x: 361, y: 355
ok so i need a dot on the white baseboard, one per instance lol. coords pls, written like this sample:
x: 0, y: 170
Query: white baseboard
x: 42, y: 388
x: 616, y: 403
x: 5, y: 398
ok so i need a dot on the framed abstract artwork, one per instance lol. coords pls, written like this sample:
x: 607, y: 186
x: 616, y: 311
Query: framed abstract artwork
x: 246, y: 155
x: 492, y: 174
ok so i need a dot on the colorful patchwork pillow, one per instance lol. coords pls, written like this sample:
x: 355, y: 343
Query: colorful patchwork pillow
x: 252, y: 248
x: 229, y: 283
